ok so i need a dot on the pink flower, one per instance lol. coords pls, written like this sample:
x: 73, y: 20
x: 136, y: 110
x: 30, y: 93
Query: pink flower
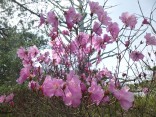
x: 72, y: 17
x: 24, y: 74
x: 125, y: 98
x: 127, y: 43
x: 96, y: 92
x: 53, y: 34
x: 33, y: 85
x: 56, y: 58
x: 47, y: 87
x: 97, y: 28
x: 72, y: 96
x: 94, y: 7
x: 99, y: 59
x: 107, y: 39
x: 112, y: 86
x: 44, y: 57
x: 2, y: 98
x: 83, y: 87
x: 105, y: 73
x: 104, y: 18
x: 65, y: 32
x: 9, y: 98
x: 145, y: 90
x: 78, y: 45
x: 52, y: 87
x: 72, y: 93
x: 42, y: 20
x: 72, y: 47
x: 128, y: 19
x: 113, y: 29
x: 150, y: 40
x: 57, y: 87
x: 98, y: 43
x: 52, y: 19
x: 33, y: 51
x: 82, y: 39
x: 136, y: 56
x: 106, y: 99
x: 22, y: 53
x: 145, y: 21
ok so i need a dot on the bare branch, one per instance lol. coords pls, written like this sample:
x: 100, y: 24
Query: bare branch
x: 25, y: 8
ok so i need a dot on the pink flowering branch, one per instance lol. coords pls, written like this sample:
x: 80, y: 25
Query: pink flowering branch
x: 79, y: 43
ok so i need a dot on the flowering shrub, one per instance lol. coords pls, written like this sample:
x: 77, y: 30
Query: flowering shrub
x: 68, y: 70
x: 7, y: 99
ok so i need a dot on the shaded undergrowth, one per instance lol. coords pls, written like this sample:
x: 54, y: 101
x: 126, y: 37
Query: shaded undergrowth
x: 32, y: 104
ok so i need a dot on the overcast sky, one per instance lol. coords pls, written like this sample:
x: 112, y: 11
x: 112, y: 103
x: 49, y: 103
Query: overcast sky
x: 130, y: 6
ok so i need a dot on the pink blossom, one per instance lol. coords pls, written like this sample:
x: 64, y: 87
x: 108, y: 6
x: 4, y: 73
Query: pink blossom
x: 72, y: 47
x: 44, y: 57
x: 42, y: 20
x: 2, y: 98
x: 88, y: 50
x: 98, y: 43
x: 94, y: 7
x: 33, y: 51
x: 53, y: 34
x: 125, y: 98
x: 52, y: 19
x: 82, y: 39
x: 47, y: 87
x: 57, y: 50
x: 47, y: 57
x: 112, y: 86
x: 150, y: 40
x: 128, y: 19
x: 33, y: 85
x: 96, y: 92
x: 113, y: 29
x: 52, y: 87
x: 72, y: 91
x: 104, y: 18
x: 9, y: 98
x: 57, y: 87
x: 72, y: 96
x: 12, y: 104
x: 145, y: 90
x: 106, y: 99
x: 145, y: 21
x: 136, y: 56
x: 55, y: 58
x: 22, y: 53
x: 99, y: 59
x: 83, y: 87
x: 65, y: 32
x: 72, y: 17
x: 97, y: 28
x: 105, y: 73
x: 24, y: 74
x: 107, y: 39
x: 127, y: 43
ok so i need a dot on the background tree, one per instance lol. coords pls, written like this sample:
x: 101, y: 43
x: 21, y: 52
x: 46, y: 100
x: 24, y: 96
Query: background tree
x: 12, y: 36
